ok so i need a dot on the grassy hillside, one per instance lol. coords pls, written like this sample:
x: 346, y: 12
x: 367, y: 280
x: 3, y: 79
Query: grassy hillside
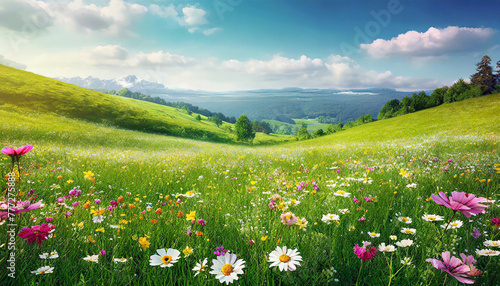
x: 44, y: 95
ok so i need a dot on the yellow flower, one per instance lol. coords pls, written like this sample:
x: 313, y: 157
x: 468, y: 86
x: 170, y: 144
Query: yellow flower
x: 98, y: 212
x: 264, y: 238
x: 70, y: 181
x: 191, y: 215
x: 100, y: 229
x: 143, y: 241
x: 187, y: 251
x: 89, y: 175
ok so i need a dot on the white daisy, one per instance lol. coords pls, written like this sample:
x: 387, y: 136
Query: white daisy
x: 200, y: 266
x: 386, y: 248
x: 329, y: 218
x: 344, y: 211
x: 487, y: 252
x: 342, y: 194
x: 374, y: 234
x: 404, y: 243
x: 285, y: 259
x: 453, y: 224
x: 98, y: 219
x: 406, y: 261
x: 122, y: 260
x: 92, y: 258
x: 393, y: 237
x: 164, y: 258
x: 492, y: 243
x: 226, y: 268
x: 404, y: 219
x: 408, y: 230
x: 432, y: 217
x: 52, y: 255
x: 43, y: 270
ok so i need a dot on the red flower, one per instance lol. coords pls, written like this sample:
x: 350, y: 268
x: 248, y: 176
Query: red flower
x: 364, y: 254
x: 38, y: 233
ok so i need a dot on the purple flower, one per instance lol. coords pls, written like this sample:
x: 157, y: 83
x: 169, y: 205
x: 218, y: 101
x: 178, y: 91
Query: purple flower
x: 368, y: 199
x: 338, y: 171
x: 476, y: 233
x: 75, y: 204
x: 202, y: 222
x: 454, y: 266
x: 114, y: 203
x: 272, y: 204
x: 97, y: 201
x: 68, y: 214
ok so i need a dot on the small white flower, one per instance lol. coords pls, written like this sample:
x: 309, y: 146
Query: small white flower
x: 285, y: 259
x: 200, y: 266
x: 406, y: 261
x: 344, y: 211
x: 404, y: 219
x: 164, y: 258
x: 487, y: 252
x: 328, y: 218
x: 226, y: 268
x: 98, y: 219
x: 52, y: 255
x: 92, y: 258
x: 122, y: 260
x: 414, y: 185
x: 408, y: 230
x: 492, y: 243
x: 341, y: 193
x: 453, y: 224
x: 43, y: 270
x: 374, y: 234
x: 393, y: 237
x: 404, y: 243
x: 386, y: 248
x: 432, y: 217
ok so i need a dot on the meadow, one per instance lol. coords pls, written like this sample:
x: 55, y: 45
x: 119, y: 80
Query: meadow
x: 117, y: 196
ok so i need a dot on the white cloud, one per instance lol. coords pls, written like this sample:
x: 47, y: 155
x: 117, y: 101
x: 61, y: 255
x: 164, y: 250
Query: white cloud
x: 432, y: 43
x: 210, y: 31
x: 278, y: 66
x: 194, y: 16
x: 21, y: 15
x: 115, y: 52
x: 164, y: 11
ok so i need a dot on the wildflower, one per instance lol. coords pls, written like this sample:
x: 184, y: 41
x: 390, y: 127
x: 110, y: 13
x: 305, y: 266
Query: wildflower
x: 191, y: 215
x: 226, y: 268
x: 92, y: 258
x: 100, y: 229
x: 432, y: 217
x: 302, y: 223
x: 164, y: 258
x: 328, y: 218
x: 17, y: 153
x: 43, y: 270
x: 180, y: 214
x: 367, y: 199
x: 36, y: 233
x: 344, y: 211
x: 120, y: 200
x: 495, y: 222
x: 404, y: 243
x: 52, y: 255
x: 362, y: 219
x: 355, y: 200
x: 288, y: 218
x: 363, y: 253
x: 89, y: 176
x: 408, y: 230
x: 97, y: 201
x: 86, y: 205
x: 17, y: 207
x: 467, y: 203
x: 285, y: 259
x: 200, y: 266
x: 453, y: 266
x: 272, y: 204
x: 476, y: 234
x: 220, y: 251
x: 199, y: 233
x: 264, y: 238
x: 453, y: 224
x: 251, y: 241
x: 487, y: 252
x: 492, y: 243
x: 144, y: 243
x: 374, y: 234
x: 386, y: 248
x: 159, y: 211
x: 393, y: 237
x: 187, y: 251
x: 406, y: 261
x: 202, y: 222
x: 341, y: 193
x: 121, y: 260
x: 406, y: 220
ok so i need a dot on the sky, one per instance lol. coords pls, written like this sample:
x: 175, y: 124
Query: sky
x: 222, y: 45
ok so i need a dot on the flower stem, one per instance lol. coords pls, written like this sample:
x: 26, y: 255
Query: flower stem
x: 390, y: 273
x: 359, y: 274
x: 454, y: 212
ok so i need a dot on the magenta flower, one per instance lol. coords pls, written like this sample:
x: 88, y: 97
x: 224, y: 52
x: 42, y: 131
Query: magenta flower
x: 496, y: 222
x: 363, y: 253
x: 103, y: 252
x: 17, y: 153
x: 97, y: 201
x: 75, y: 204
x: 288, y: 218
x: 114, y: 203
x: 60, y: 200
x: 68, y: 214
x: 272, y: 204
x: 202, y: 222
x: 36, y: 233
x: 454, y: 266
x: 368, y: 199
x: 17, y: 207
x: 468, y: 204
x: 49, y: 219
x: 355, y: 200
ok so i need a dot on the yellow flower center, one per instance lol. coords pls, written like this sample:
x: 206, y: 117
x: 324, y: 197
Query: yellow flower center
x: 405, y: 219
x: 42, y: 272
x: 288, y: 217
x: 373, y: 234
x: 284, y: 258
x: 341, y: 192
x: 432, y: 218
x: 166, y: 259
x: 408, y: 231
x: 454, y: 224
x: 227, y: 269
x: 495, y: 243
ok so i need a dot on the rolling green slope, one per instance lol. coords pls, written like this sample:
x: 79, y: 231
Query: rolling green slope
x: 476, y: 116
x: 44, y: 95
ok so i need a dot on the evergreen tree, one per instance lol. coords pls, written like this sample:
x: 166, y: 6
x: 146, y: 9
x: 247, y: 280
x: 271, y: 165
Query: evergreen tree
x: 244, y: 129
x: 497, y: 74
x: 484, y: 76
x: 303, y: 134
x: 198, y: 117
x: 188, y: 111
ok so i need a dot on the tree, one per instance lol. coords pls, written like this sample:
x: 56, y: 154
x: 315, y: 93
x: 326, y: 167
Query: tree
x: 497, y: 74
x: 244, y: 129
x: 188, y: 111
x: 454, y: 92
x: 334, y: 128
x: 303, y: 134
x: 198, y: 117
x: 437, y: 97
x: 389, y: 109
x: 125, y: 92
x: 484, y: 76
x: 216, y: 120
x: 318, y: 133
x: 419, y: 101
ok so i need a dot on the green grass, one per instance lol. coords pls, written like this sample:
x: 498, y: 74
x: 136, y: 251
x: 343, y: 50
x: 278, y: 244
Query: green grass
x: 234, y: 185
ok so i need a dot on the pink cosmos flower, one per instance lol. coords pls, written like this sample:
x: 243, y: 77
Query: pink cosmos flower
x: 468, y: 204
x: 368, y: 199
x: 288, y: 218
x: 496, y: 222
x: 272, y: 204
x: 38, y: 233
x: 454, y: 266
x: 355, y: 200
x: 49, y: 219
x: 17, y: 153
x: 17, y: 207
x: 363, y: 253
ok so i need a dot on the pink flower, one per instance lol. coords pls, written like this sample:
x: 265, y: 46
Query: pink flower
x: 368, y: 199
x: 75, y: 204
x: 97, y: 201
x: 103, y: 252
x: 60, y: 200
x: 17, y: 207
x: 338, y: 171
x: 496, y: 222
x: 370, y: 168
x: 288, y: 218
x: 17, y: 153
x: 364, y: 254
x: 362, y: 219
x: 272, y: 204
x: 68, y: 214
x: 355, y: 200
x: 468, y: 204
x: 36, y: 233
x: 454, y: 266
x: 251, y: 241
x: 49, y: 219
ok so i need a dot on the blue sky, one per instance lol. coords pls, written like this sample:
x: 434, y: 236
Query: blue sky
x: 244, y: 44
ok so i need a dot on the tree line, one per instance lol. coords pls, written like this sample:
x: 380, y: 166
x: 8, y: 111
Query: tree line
x: 483, y: 82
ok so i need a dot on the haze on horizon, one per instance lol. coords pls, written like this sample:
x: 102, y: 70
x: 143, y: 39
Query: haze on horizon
x: 241, y: 44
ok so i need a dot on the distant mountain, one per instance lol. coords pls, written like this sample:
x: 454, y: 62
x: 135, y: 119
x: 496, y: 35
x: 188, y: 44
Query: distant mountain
x: 275, y: 104
x: 131, y: 82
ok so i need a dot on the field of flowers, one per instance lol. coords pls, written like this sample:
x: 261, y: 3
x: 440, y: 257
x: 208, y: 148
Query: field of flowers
x: 365, y: 214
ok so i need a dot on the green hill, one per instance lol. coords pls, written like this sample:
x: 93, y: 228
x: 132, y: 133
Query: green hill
x: 44, y: 95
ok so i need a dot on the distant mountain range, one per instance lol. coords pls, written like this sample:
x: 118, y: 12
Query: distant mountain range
x: 279, y: 104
